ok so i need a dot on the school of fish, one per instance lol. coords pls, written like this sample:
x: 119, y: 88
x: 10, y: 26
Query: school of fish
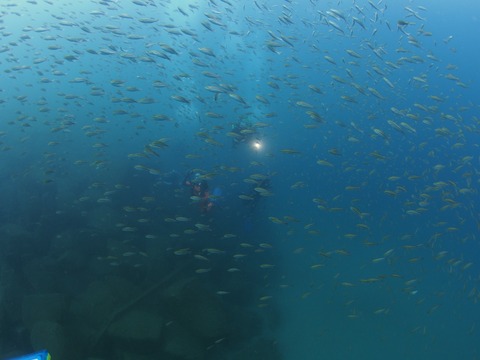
x: 363, y: 125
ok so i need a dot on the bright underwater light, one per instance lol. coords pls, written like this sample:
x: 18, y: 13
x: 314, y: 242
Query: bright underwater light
x: 257, y: 145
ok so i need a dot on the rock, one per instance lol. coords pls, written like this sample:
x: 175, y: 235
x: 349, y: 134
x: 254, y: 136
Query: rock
x: 3, y: 318
x: 13, y: 290
x: 14, y: 241
x: 181, y: 344
x: 49, y: 335
x: 138, y: 330
x: 121, y: 354
x: 100, y: 300
x: 43, y: 307
x: 69, y: 251
x: 202, y: 312
x: 245, y: 324
x: 40, y: 277
x: 259, y: 349
x: 92, y: 310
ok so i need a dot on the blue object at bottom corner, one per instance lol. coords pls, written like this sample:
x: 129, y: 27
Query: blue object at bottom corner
x: 40, y: 355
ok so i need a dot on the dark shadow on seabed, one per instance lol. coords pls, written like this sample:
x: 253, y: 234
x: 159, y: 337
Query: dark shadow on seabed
x: 73, y: 282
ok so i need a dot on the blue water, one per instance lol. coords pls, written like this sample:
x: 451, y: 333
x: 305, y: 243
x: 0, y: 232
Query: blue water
x: 364, y: 242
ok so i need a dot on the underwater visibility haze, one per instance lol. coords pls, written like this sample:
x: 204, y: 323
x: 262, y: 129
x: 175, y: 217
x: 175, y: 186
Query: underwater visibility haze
x: 219, y: 179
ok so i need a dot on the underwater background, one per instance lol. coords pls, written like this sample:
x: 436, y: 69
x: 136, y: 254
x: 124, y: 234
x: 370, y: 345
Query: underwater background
x: 219, y: 179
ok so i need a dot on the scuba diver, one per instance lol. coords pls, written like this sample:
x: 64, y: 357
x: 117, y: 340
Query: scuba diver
x: 200, y: 191
x: 243, y: 131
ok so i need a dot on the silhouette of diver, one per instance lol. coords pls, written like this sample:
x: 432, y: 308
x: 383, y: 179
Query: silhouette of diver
x: 199, y: 190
